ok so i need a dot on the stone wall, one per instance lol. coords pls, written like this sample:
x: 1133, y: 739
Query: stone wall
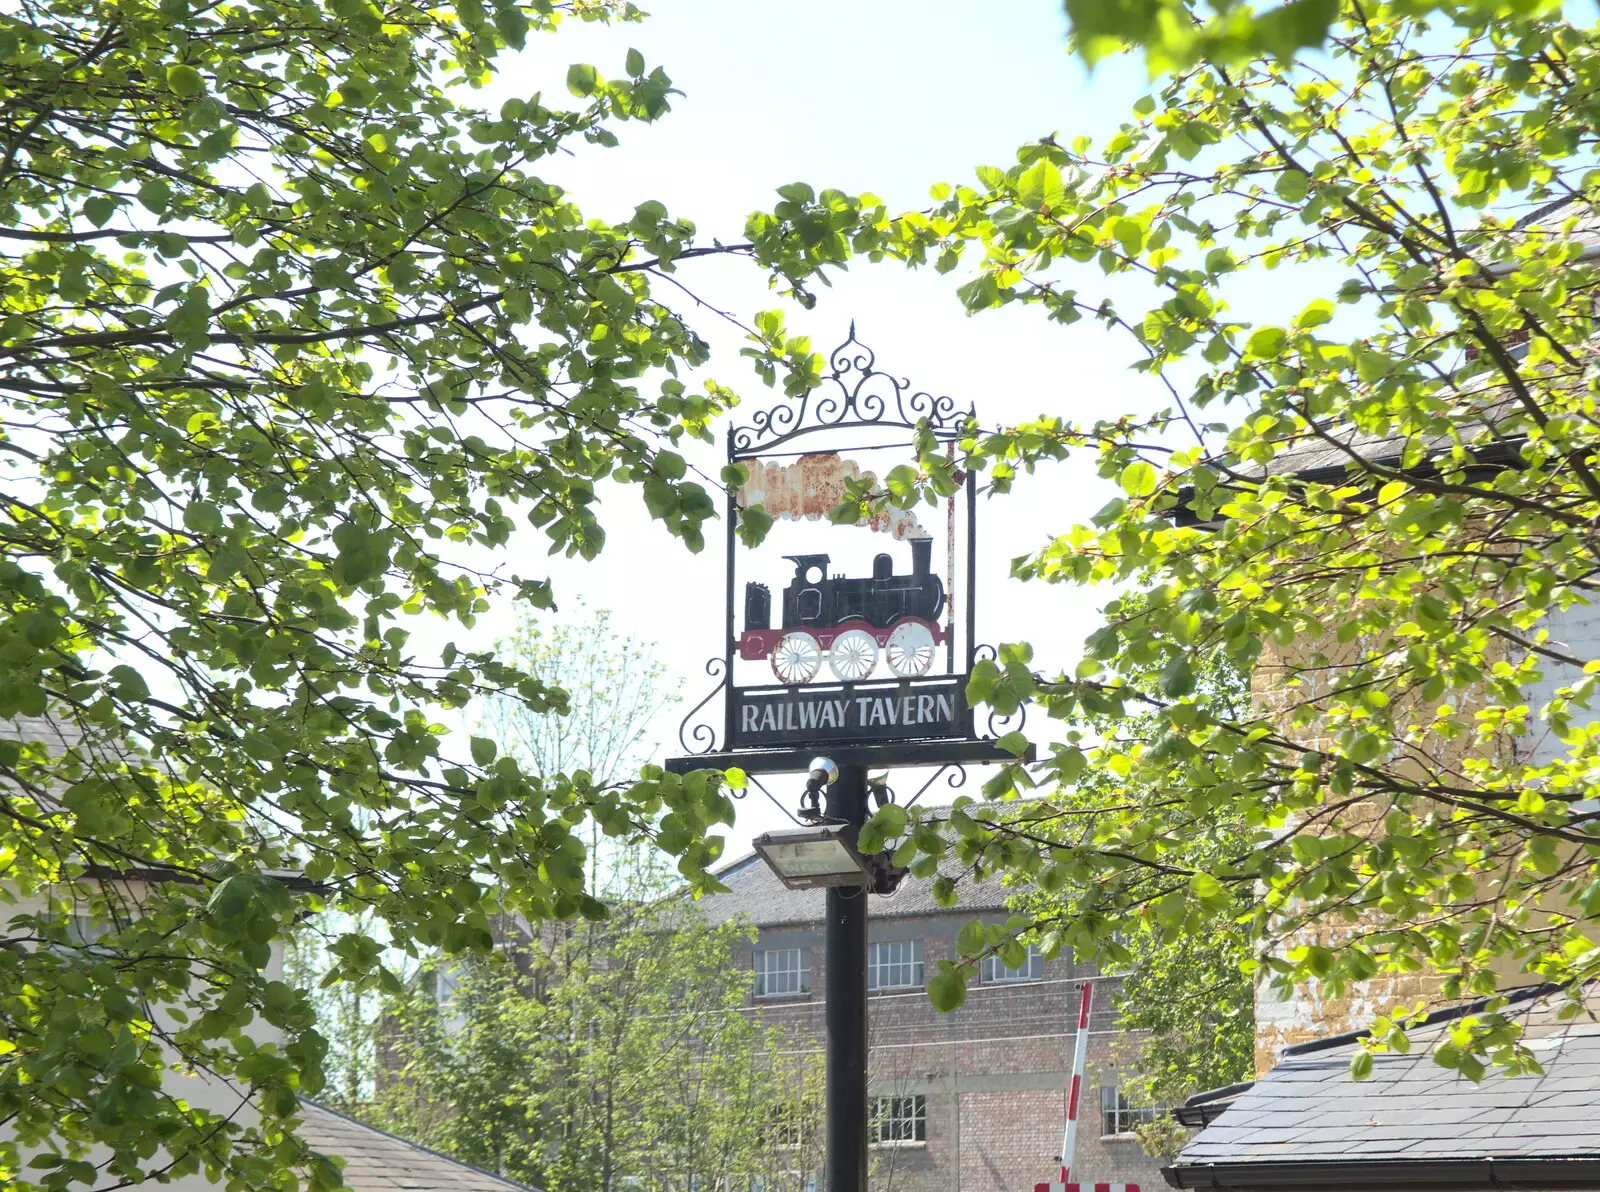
x: 1306, y: 1013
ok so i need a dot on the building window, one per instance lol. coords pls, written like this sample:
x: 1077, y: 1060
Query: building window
x: 783, y: 972
x: 894, y: 964
x: 995, y: 971
x: 785, y: 1181
x: 1119, y: 1116
x: 898, y: 1119
x: 790, y: 1124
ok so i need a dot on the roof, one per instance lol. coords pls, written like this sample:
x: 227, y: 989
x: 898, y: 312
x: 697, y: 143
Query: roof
x: 755, y: 893
x: 1412, y: 1122
x: 377, y: 1161
x: 1329, y: 454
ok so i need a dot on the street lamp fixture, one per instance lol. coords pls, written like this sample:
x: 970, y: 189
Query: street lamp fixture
x: 814, y: 858
x: 822, y: 773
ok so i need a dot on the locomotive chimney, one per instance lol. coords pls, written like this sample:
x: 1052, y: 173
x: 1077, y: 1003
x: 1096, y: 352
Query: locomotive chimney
x: 921, y: 556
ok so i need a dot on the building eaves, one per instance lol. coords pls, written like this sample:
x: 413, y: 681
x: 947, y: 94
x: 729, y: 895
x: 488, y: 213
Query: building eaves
x: 1440, y: 1175
x: 1204, y: 1108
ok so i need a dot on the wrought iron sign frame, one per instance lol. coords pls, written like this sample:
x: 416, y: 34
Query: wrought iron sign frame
x: 854, y: 395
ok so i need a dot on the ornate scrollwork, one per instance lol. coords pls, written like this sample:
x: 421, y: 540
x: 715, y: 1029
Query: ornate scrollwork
x: 956, y: 779
x: 997, y: 725
x: 861, y: 396
x: 701, y: 736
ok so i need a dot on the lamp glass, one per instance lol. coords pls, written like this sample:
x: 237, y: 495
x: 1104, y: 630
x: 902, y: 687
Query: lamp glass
x: 812, y: 858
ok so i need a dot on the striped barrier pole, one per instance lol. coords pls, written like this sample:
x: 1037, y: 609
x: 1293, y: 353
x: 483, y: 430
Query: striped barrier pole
x: 1069, y: 1143
x: 1080, y: 1056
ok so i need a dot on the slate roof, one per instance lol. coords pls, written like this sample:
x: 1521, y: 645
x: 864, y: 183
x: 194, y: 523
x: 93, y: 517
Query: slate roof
x: 376, y: 1161
x: 1307, y: 1123
x: 756, y: 893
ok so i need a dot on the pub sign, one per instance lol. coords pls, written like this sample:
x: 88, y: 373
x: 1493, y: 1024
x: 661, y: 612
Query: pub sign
x: 859, y: 633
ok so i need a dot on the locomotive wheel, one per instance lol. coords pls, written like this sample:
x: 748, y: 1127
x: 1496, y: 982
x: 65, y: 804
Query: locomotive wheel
x: 910, y: 649
x: 854, y: 654
x: 796, y: 658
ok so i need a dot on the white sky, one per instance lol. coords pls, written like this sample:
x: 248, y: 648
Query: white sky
x: 912, y: 93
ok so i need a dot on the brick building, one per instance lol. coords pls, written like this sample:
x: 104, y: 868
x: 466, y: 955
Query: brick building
x: 970, y: 1101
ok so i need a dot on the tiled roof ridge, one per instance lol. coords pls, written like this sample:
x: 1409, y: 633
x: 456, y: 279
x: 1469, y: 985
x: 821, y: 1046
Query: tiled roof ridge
x: 1531, y: 218
x: 417, y: 1146
x: 1510, y: 997
x: 724, y: 868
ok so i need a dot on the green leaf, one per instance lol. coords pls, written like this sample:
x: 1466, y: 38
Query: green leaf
x: 1138, y: 479
x: 128, y: 683
x: 1177, y: 678
x: 980, y: 293
x: 185, y: 80
x: 947, y: 990
x: 983, y: 681
x: 1318, y: 312
x: 1292, y: 186
x: 1266, y: 343
x: 483, y: 750
x: 1041, y: 186
x: 971, y: 939
x: 754, y: 523
x: 582, y: 80
x: 513, y: 27
x: 100, y: 209
x: 1014, y: 743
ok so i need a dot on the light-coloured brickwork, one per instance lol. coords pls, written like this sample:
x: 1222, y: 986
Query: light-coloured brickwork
x: 993, y: 1074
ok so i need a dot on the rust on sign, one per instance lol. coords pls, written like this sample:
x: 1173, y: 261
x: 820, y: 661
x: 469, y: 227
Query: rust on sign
x: 812, y: 485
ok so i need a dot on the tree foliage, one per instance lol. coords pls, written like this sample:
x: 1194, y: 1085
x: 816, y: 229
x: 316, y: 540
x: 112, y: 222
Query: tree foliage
x: 1184, y: 1001
x: 1379, y: 502
x: 293, y: 336
x: 601, y: 1056
x: 615, y: 688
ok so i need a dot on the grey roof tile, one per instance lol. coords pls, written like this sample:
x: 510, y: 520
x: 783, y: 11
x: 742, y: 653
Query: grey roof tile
x: 755, y: 893
x: 1308, y: 1108
x: 375, y: 1161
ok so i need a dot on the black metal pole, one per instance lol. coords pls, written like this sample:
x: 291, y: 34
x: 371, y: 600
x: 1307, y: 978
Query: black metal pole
x: 845, y: 1012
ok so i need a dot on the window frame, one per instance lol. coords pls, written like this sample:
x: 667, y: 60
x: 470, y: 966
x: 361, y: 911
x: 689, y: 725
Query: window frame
x: 891, y: 1111
x: 1122, y: 1114
x: 992, y: 968
x: 765, y: 973
x: 914, y: 966
x: 792, y: 1125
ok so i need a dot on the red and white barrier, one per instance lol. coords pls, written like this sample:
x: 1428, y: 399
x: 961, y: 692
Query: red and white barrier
x: 1069, y: 1143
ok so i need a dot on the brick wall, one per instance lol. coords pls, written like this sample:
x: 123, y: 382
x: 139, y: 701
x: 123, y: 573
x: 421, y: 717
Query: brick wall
x: 993, y: 1075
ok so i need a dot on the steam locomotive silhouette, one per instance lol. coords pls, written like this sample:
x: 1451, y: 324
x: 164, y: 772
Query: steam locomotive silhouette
x: 847, y: 621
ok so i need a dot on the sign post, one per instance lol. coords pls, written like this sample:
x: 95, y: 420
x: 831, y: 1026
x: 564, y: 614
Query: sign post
x: 845, y: 1013
x: 853, y: 651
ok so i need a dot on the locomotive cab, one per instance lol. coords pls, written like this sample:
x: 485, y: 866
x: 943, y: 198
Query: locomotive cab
x: 803, y: 602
